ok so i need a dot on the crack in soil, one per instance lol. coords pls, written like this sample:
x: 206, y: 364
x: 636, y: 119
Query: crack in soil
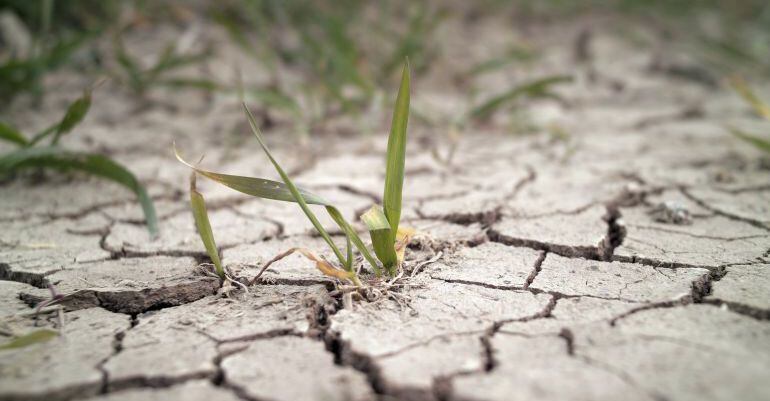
x: 536, y: 270
x: 117, y: 348
x: 699, y: 288
x: 622, y: 375
x: 741, y: 309
x: 37, y: 280
x: 616, y: 233
x: 485, y: 218
x: 568, y: 251
x: 49, y: 217
x: 731, y: 216
x: 673, y: 231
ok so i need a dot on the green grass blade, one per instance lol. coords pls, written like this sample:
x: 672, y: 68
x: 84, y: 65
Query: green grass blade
x: 348, y: 254
x: 170, y: 60
x: 353, y: 237
x: 515, y: 54
x: 533, y: 89
x: 10, y: 134
x: 258, y: 187
x: 76, y: 111
x: 201, y: 217
x: 382, y: 237
x: 761, y: 108
x: 31, y: 338
x: 760, y: 143
x: 294, y: 190
x: 74, y: 115
x: 275, y: 98
x: 43, y: 134
x: 59, y: 159
x: 206, y: 85
x: 396, y: 157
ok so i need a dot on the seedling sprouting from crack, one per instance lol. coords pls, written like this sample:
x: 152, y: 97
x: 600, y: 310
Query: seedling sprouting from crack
x: 388, y: 239
x: 761, y: 108
x: 31, y: 154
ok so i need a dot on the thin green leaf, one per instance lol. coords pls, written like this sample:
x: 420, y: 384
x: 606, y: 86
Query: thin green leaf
x: 760, y: 107
x: 294, y: 190
x: 10, y: 134
x: 759, y: 142
x: 274, y: 190
x: 352, y: 236
x: 130, y: 66
x: 60, y: 159
x: 533, y: 89
x: 382, y: 237
x: 277, y: 99
x: 76, y: 111
x: 396, y: 157
x: 43, y: 134
x: 170, y: 60
x: 201, y: 217
x: 31, y: 338
x: 258, y: 187
x: 515, y: 54
x: 190, y: 83
x: 74, y: 115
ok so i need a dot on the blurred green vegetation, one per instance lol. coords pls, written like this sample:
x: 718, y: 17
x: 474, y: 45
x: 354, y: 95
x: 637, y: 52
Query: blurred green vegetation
x: 345, y: 50
x: 342, y: 50
x: 46, y: 33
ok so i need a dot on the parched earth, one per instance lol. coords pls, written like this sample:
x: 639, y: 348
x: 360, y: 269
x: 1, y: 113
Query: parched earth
x: 630, y: 260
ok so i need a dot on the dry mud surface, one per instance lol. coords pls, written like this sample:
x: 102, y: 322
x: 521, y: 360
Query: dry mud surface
x: 543, y: 269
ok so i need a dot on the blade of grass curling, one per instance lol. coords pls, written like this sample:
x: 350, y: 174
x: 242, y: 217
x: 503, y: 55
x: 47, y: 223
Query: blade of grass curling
x: 381, y: 235
x: 534, y: 88
x: 259, y: 187
x: 293, y: 189
x: 201, y: 217
x: 10, y: 134
x: 60, y: 159
x: 761, y: 143
x: 396, y: 156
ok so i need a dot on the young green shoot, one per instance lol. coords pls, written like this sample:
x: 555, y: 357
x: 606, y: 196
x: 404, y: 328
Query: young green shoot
x: 388, y: 239
x: 539, y: 88
x: 29, y: 155
x: 139, y: 80
x: 198, y: 205
x: 761, y: 108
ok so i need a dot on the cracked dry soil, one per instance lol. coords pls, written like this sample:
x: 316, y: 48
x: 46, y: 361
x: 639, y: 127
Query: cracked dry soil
x: 549, y: 276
